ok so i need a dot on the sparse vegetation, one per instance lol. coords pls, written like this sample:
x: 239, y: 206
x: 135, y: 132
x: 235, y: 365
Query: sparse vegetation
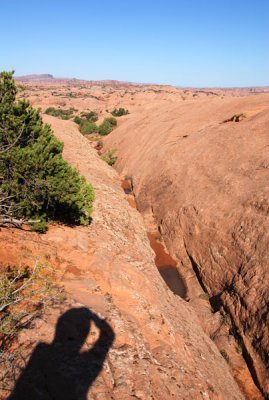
x: 239, y: 349
x: 119, y: 112
x: 224, y: 318
x: 107, y: 126
x: 110, y: 157
x: 86, y: 122
x: 204, y: 296
x: 25, y: 293
x: 77, y: 120
x: 70, y: 94
x: 36, y: 184
x: 90, y: 116
x: 21, y: 88
x: 60, y: 113
x: 87, y: 127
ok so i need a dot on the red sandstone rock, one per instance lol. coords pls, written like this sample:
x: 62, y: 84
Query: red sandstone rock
x: 160, y: 350
x: 206, y: 183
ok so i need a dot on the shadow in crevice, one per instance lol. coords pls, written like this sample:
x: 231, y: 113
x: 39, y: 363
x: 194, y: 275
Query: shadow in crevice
x: 167, y: 267
x: 216, y: 302
x: 197, y: 272
x: 60, y: 370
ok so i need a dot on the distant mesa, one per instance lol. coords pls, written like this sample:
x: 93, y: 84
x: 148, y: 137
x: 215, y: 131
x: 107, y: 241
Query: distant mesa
x: 35, y: 77
x: 49, y: 77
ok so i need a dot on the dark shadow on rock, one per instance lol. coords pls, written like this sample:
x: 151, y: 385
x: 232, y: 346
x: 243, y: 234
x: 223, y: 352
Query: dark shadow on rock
x: 60, y: 370
x: 174, y: 280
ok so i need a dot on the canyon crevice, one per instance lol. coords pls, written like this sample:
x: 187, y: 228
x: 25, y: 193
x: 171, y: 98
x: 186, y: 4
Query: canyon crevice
x: 204, y: 183
x: 160, y: 350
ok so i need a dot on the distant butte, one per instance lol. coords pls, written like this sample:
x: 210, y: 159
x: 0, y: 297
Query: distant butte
x: 35, y: 77
x: 49, y: 77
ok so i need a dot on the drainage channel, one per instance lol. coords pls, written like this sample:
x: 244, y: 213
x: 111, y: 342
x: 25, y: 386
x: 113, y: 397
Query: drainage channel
x: 167, y: 268
x: 166, y: 265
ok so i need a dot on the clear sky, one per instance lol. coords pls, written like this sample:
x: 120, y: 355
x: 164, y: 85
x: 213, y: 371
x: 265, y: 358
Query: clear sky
x: 183, y: 42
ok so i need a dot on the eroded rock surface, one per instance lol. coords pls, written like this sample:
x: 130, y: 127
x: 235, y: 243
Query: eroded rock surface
x: 206, y: 183
x: 160, y: 351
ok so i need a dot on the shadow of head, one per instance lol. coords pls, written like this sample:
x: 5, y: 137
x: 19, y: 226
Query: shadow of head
x: 73, y: 327
x: 60, y: 370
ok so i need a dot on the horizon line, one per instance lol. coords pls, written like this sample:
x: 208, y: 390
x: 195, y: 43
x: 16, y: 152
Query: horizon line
x: 52, y: 77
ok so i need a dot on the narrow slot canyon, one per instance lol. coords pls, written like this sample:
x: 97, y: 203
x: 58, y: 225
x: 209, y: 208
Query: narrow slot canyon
x: 165, y: 264
x: 214, y: 320
x: 167, y: 267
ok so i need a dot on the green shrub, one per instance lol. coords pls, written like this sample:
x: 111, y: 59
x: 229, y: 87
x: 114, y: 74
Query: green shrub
x: 77, y: 120
x: 107, y: 126
x: 87, y: 127
x: 110, y: 157
x: 60, y: 113
x: 119, y: 112
x: 90, y: 116
x: 21, y: 88
x: 111, y: 120
x: 70, y: 94
x: 86, y: 122
x: 36, y: 184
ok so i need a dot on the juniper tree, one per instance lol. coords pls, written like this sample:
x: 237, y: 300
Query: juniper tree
x: 36, y: 183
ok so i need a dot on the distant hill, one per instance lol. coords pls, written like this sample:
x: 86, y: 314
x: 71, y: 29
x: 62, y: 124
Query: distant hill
x: 49, y: 77
x: 35, y: 77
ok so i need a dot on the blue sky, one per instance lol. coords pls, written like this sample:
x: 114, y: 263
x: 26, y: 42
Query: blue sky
x: 184, y: 42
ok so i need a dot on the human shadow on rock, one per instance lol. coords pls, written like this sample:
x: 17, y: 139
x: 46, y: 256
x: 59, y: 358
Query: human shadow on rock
x: 61, y: 370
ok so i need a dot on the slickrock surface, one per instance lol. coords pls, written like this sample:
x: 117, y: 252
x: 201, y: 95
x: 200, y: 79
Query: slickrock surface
x: 160, y: 350
x: 206, y: 183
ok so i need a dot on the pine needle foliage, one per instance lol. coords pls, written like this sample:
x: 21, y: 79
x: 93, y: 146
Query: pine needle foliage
x: 36, y: 183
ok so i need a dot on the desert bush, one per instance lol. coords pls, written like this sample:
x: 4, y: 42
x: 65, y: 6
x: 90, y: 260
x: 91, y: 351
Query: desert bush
x: 111, y: 120
x: 107, y: 126
x: 90, y: 116
x: 25, y: 293
x: 77, y: 120
x: 86, y: 122
x: 60, y: 113
x: 119, y: 112
x: 87, y: 127
x: 21, y: 88
x: 110, y: 157
x: 70, y: 94
x: 36, y: 184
